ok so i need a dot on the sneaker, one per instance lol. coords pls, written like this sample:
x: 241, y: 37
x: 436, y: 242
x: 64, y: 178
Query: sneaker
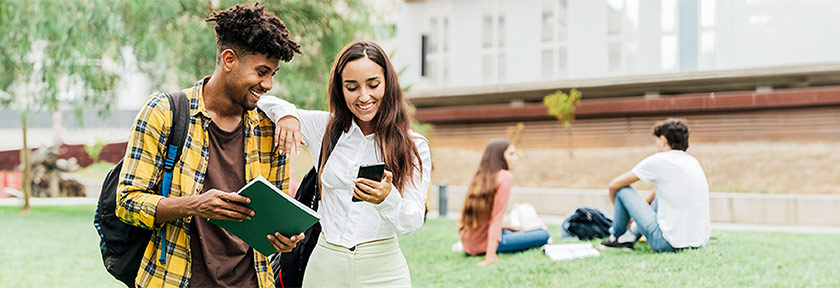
x: 628, y: 237
x: 612, y: 243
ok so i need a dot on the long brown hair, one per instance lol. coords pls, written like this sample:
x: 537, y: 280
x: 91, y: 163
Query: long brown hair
x: 482, y: 190
x: 392, y: 123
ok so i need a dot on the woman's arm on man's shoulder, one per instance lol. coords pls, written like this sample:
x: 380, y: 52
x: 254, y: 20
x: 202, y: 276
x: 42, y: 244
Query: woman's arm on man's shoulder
x: 295, y: 127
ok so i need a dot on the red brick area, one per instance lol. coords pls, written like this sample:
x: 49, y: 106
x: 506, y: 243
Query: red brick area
x: 9, y: 160
x: 639, y: 106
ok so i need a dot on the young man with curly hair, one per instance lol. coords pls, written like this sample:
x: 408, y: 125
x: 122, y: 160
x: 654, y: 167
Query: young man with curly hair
x: 676, y: 213
x: 229, y: 143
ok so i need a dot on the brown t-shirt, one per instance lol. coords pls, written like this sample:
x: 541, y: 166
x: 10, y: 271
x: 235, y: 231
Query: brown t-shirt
x: 220, y: 259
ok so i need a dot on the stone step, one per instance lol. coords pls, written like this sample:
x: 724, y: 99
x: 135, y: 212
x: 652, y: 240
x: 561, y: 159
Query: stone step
x: 740, y: 208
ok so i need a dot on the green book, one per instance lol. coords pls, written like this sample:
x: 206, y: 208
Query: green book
x: 274, y: 211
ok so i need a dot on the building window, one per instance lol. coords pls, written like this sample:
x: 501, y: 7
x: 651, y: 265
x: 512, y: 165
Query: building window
x: 548, y: 63
x: 437, y: 56
x: 494, y: 34
x: 547, y: 20
x: 614, y: 56
x: 615, y: 19
x: 445, y: 35
x: 707, y: 35
x: 622, y: 35
x: 487, y: 35
x: 669, y: 48
x: 554, y: 38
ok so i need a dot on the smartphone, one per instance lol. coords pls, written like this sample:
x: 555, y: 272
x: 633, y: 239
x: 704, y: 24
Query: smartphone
x: 373, y: 172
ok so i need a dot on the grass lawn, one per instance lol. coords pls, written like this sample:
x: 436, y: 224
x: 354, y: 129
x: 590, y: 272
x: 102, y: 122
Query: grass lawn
x: 731, y: 259
x: 57, y: 246
x: 51, y: 247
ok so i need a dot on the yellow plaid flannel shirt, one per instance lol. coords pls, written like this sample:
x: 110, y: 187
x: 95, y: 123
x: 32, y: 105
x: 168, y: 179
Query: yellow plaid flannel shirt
x: 138, y: 197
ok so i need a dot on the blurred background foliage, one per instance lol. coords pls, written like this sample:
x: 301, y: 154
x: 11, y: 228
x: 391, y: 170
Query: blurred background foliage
x: 68, y: 54
x: 49, y: 45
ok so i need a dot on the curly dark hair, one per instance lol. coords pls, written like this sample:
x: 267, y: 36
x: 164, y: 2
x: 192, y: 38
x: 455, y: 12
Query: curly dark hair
x: 252, y: 30
x: 675, y: 131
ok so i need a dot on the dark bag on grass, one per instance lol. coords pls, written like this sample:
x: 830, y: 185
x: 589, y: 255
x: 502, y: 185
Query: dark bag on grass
x: 122, y: 245
x: 289, y: 267
x: 588, y: 223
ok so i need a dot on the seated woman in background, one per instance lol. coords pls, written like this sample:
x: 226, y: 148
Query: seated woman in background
x: 484, y: 207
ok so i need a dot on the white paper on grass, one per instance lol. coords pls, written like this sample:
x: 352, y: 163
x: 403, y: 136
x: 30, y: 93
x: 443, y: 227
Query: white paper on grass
x: 569, y: 251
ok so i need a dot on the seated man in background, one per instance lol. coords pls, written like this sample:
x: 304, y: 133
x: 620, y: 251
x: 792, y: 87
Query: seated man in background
x: 676, y: 214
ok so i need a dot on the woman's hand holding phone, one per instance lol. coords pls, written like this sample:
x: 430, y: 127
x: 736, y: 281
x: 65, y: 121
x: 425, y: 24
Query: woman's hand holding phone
x: 372, y: 191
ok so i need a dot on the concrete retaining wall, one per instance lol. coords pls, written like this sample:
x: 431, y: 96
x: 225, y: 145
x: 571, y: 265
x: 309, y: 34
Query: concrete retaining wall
x: 740, y: 208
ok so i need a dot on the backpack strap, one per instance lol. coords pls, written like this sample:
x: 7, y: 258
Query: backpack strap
x: 334, y: 135
x: 177, y: 136
x: 174, y: 146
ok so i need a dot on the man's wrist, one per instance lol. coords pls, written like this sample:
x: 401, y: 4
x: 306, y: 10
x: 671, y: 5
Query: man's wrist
x: 189, y: 206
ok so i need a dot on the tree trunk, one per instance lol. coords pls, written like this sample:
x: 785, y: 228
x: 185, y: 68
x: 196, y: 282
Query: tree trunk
x: 571, y: 142
x: 26, y: 178
x: 58, y: 139
x: 58, y: 136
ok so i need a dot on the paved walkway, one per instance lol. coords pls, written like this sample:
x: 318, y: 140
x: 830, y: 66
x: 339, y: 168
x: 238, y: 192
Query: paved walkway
x: 50, y: 201
x: 558, y: 220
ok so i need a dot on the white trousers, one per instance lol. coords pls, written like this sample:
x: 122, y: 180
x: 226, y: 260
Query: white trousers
x: 375, y: 264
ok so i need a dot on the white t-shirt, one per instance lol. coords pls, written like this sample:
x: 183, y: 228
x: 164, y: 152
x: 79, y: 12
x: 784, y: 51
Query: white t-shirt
x: 682, y: 193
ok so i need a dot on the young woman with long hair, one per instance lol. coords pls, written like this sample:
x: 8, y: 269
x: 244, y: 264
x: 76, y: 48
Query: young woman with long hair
x: 358, y: 246
x: 485, y: 204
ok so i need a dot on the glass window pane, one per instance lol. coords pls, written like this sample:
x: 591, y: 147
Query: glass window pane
x: 548, y: 63
x: 631, y: 57
x: 487, y: 68
x: 501, y: 31
x: 433, y: 69
x: 487, y: 28
x: 547, y: 20
x: 502, y: 67
x: 562, y: 65
x: 445, y: 74
x: 669, y: 52
x: 614, y: 56
x: 433, y: 35
x: 631, y: 14
x: 707, y: 49
x: 562, y: 22
x: 615, y: 16
x: 707, y: 13
x: 445, y: 39
x: 669, y: 15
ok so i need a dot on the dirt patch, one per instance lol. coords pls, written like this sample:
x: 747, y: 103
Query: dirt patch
x: 755, y: 167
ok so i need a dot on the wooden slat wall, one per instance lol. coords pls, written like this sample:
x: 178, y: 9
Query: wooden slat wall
x: 801, y: 124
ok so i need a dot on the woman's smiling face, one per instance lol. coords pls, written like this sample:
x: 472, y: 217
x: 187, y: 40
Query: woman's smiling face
x: 363, y: 84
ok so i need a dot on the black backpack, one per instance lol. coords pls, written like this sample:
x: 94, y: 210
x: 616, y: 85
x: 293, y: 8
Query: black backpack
x: 588, y: 223
x: 289, y: 267
x: 122, y: 245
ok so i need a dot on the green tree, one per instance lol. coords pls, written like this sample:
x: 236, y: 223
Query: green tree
x: 95, y: 149
x: 52, y: 45
x: 175, y: 32
x: 324, y: 27
x: 562, y: 106
x: 47, y: 48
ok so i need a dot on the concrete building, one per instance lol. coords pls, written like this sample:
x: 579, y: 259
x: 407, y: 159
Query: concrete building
x: 475, y: 67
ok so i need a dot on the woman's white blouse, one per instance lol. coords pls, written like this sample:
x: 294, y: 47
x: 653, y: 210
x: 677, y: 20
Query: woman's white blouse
x: 343, y: 221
